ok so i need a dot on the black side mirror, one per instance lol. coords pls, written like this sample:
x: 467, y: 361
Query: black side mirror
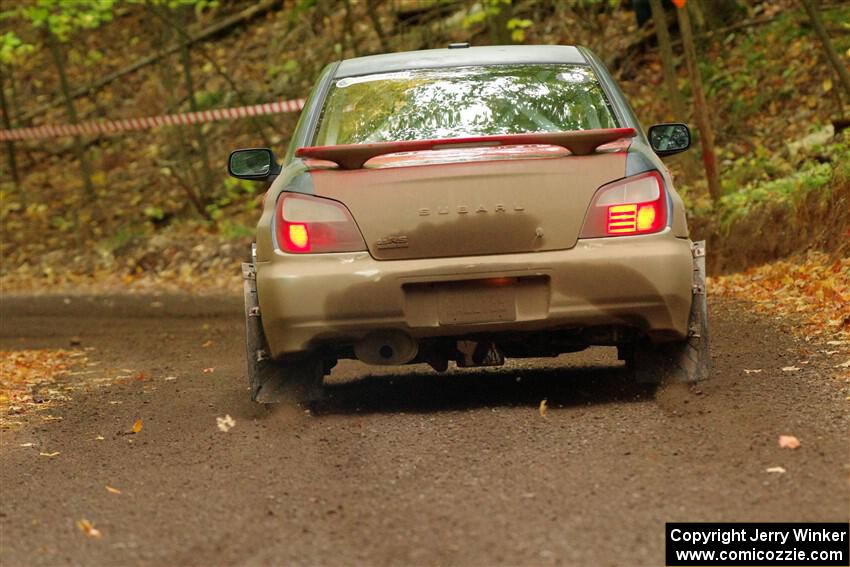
x: 669, y: 139
x: 253, y: 163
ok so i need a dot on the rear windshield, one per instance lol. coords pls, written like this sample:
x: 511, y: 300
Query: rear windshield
x: 463, y: 101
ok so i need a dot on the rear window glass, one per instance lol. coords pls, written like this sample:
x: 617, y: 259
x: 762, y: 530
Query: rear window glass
x: 463, y: 101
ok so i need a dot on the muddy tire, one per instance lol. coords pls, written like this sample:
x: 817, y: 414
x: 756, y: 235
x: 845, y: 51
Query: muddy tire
x: 273, y: 381
x: 685, y: 361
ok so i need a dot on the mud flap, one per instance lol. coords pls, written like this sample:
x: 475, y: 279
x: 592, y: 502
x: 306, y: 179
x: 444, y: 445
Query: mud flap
x: 694, y: 361
x: 687, y: 361
x: 262, y: 371
x: 272, y: 381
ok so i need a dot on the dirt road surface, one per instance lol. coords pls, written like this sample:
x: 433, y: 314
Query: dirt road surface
x: 403, y: 467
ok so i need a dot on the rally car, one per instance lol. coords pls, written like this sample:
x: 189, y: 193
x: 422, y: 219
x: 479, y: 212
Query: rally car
x: 468, y: 205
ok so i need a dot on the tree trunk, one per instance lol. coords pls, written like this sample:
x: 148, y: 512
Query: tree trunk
x: 348, y: 31
x: 168, y: 87
x: 79, y: 149
x: 497, y: 24
x: 841, y: 69
x: 206, y: 173
x: 674, y: 97
x: 10, y: 145
x: 371, y: 9
x: 706, y: 133
x: 257, y: 122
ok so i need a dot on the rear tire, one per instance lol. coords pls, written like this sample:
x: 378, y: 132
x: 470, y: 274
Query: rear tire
x: 685, y: 361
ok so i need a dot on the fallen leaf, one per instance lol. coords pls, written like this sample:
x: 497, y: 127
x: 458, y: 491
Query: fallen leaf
x: 113, y: 490
x: 49, y: 454
x: 209, y: 370
x: 207, y: 344
x: 778, y: 470
x: 170, y: 378
x: 27, y: 445
x: 753, y: 371
x: 788, y: 442
x: 88, y: 528
x: 843, y: 365
x: 790, y: 369
x: 137, y: 426
x: 225, y: 423
x: 544, y: 406
x: 99, y: 438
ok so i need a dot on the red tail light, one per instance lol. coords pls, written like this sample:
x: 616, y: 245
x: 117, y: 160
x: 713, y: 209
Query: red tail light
x: 634, y: 205
x: 307, y: 224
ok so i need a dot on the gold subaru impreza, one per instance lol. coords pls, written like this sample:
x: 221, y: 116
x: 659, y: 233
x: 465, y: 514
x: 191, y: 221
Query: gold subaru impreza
x: 469, y: 205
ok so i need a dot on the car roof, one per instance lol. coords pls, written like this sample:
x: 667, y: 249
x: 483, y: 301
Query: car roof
x: 459, y: 57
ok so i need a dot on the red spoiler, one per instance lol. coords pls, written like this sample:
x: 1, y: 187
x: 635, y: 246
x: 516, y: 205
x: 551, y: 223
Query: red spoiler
x: 579, y: 142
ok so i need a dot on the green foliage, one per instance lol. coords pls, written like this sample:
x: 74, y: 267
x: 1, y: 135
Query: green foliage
x: 483, y: 10
x: 234, y: 191
x: 289, y: 67
x: 812, y: 177
x: 198, y: 5
x: 211, y: 99
x: 518, y: 27
x: 90, y: 58
x: 12, y: 48
x: 154, y: 213
x: 62, y: 18
x: 233, y: 230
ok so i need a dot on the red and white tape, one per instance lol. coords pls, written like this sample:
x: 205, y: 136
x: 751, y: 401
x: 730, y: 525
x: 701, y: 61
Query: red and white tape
x: 144, y: 123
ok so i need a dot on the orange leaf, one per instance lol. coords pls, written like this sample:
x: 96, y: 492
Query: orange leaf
x: 137, y: 426
x: 113, y: 490
x: 788, y: 442
x: 88, y: 528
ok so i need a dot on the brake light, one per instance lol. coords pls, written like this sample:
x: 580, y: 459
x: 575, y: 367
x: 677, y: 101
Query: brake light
x: 298, y: 237
x: 307, y: 224
x: 635, y: 205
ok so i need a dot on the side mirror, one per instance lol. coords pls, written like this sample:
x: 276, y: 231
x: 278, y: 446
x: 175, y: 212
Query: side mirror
x: 253, y: 163
x: 669, y: 139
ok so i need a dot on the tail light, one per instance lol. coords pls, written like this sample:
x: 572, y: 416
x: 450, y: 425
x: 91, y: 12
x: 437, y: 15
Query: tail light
x: 634, y: 205
x: 307, y: 224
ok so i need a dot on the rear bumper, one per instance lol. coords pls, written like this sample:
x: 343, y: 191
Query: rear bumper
x: 640, y: 281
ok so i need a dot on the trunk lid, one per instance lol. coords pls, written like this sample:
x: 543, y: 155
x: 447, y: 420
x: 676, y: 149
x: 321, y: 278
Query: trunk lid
x: 515, y: 201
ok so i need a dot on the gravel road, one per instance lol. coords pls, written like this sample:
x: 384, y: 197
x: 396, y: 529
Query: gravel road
x: 403, y: 467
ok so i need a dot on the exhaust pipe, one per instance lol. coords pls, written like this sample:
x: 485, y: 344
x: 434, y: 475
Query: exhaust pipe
x: 386, y: 348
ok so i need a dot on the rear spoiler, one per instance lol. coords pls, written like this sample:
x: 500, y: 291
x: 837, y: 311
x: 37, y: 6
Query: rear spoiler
x: 579, y: 142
